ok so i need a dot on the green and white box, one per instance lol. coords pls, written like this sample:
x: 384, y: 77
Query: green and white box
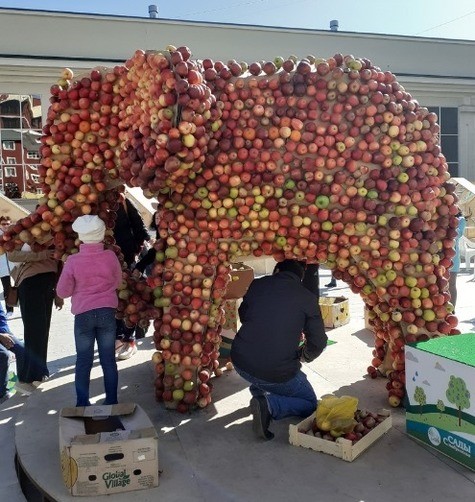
x: 440, y: 384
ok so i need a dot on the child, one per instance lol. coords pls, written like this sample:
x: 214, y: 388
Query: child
x: 91, y: 278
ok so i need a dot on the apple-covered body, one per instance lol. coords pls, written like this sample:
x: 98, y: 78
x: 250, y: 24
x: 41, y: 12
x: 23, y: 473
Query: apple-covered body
x: 326, y: 160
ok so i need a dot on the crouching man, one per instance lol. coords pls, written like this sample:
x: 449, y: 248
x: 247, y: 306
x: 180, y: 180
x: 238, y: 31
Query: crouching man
x: 267, y: 352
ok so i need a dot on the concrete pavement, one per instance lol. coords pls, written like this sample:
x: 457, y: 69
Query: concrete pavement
x: 212, y: 455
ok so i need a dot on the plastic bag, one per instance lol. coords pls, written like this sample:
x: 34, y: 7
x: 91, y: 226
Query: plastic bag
x: 336, y: 414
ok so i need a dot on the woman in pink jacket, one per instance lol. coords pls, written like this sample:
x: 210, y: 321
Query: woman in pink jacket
x: 91, y: 278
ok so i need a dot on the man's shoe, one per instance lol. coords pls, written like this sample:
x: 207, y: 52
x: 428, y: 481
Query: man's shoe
x: 331, y: 284
x: 261, y: 418
x: 25, y: 388
x: 128, y: 351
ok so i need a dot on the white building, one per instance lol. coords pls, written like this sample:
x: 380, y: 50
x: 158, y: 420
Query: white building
x: 440, y: 74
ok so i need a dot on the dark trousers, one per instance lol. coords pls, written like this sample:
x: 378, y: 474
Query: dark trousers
x: 36, y: 296
x: 6, y: 288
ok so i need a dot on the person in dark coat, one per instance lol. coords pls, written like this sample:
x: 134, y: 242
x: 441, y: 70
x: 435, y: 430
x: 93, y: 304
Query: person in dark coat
x: 266, y: 352
x: 148, y: 258
x: 130, y: 234
x: 311, y: 279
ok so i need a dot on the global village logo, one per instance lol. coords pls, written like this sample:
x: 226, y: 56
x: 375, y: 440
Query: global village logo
x: 116, y: 479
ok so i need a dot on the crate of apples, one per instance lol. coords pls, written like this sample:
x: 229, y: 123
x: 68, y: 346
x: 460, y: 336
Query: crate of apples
x: 368, y: 428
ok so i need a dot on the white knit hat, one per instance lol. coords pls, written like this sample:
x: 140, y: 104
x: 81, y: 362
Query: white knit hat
x: 90, y: 228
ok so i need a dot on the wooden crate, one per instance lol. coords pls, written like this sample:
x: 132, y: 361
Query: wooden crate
x: 341, y: 447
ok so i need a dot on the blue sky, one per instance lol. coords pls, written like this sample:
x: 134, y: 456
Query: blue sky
x: 426, y: 18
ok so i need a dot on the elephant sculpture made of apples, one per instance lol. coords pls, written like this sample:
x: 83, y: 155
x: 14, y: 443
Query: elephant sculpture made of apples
x: 323, y: 160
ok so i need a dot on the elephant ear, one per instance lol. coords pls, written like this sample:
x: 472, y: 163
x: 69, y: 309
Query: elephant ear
x: 168, y: 121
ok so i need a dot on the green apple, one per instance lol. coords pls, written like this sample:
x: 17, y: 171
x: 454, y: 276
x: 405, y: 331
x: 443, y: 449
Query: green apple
x: 415, y: 292
x: 428, y: 315
x: 372, y: 194
x: 322, y: 201
x: 403, y: 177
x: 233, y: 192
x: 202, y: 192
x: 170, y: 368
x: 171, y: 252
x: 400, y: 210
x: 289, y: 184
x: 410, y: 281
x: 396, y: 316
x: 381, y: 280
x: 391, y: 275
x: 281, y: 241
x: 188, y: 385
x: 362, y: 191
x: 397, y: 160
x: 206, y: 204
x: 178, y: 394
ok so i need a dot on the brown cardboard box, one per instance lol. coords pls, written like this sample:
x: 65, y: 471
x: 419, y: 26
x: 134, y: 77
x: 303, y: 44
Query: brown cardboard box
x: 107, y: 449
x: 241, y: 277
x: 335, y: 311
x: 231, y: 325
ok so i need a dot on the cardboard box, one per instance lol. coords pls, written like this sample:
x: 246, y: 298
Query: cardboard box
x: 230, y: 326
x: 335, y: 311
x: 368, y: 314
x: 241, y: 277
x: 232, y: 322
x: 440, y: 384
x: 107, y: 449
x: 341, y: 447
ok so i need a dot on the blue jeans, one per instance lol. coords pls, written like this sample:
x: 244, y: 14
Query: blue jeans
x: 295, y: 397
x: 95, y: 325
x: 19, y: 350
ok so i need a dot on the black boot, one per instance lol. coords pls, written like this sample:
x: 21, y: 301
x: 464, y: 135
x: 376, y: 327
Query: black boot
x: 331, y: 284
x: 261, y: 418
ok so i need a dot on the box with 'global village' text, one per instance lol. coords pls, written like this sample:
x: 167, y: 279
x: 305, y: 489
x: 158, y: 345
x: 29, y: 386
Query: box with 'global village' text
x: 107, y: 449
x: 440, y: 384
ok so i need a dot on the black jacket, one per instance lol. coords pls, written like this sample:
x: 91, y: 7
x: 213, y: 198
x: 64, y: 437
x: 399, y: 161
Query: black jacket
x: 130, y: 232
x: 275, y: 311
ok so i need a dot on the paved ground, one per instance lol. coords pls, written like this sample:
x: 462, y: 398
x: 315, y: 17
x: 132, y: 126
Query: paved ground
x: 212, y: 455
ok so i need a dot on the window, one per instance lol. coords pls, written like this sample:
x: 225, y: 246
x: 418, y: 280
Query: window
x: 32, y: 155
x: 11, y: 160
x: 35, y: 178
x: 11, y: 123
x: 10, y: 172
x: 449, y: 140
x: 8, y: 145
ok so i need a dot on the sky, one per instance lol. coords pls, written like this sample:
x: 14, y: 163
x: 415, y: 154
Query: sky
x: 423, y: 18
